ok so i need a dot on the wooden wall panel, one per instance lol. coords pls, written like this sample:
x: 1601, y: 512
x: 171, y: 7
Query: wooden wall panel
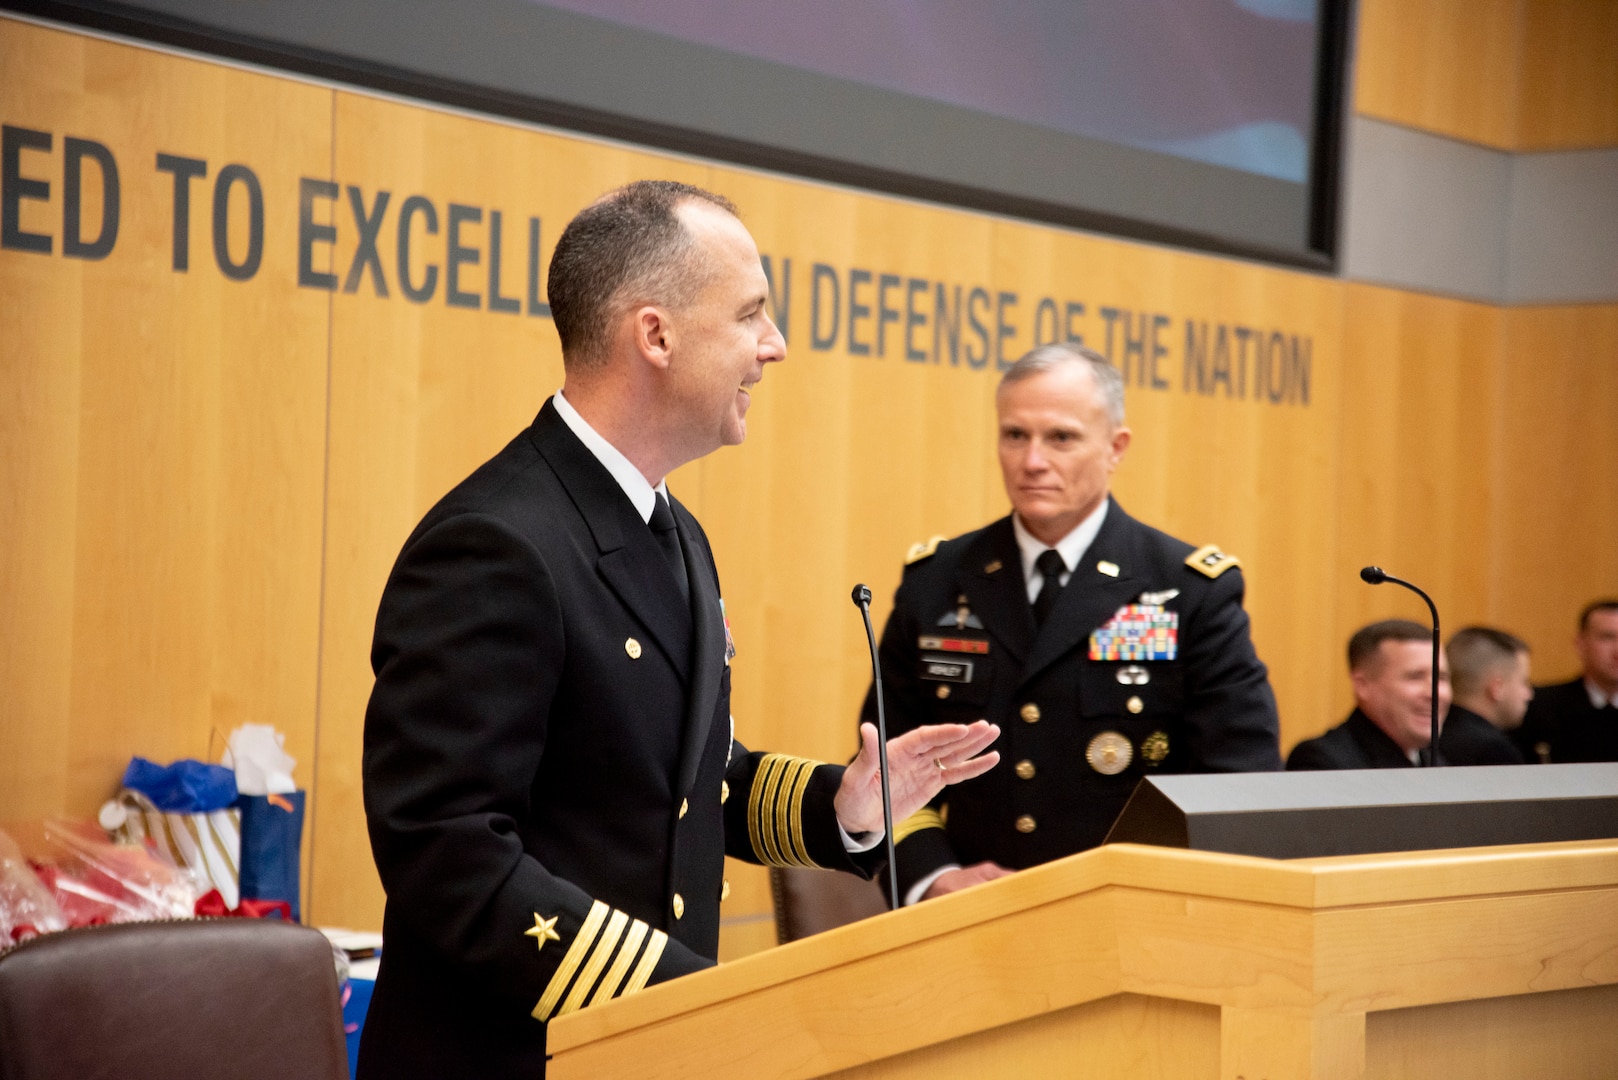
x: 186, y: 414
x: 1568, y: 83
x: 1556, y: 531
x: 1417, y: 443
x: 1446, y: 66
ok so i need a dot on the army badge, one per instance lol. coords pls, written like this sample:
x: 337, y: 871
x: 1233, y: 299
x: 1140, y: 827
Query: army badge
x: 1154, y: 748
x: 1134, y: 675
x: 1109, y: 753
x: 1137, y: 632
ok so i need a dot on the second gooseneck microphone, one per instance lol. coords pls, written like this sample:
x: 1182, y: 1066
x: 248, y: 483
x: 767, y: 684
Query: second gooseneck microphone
x: 862, y: 600
x: 1375, y: 575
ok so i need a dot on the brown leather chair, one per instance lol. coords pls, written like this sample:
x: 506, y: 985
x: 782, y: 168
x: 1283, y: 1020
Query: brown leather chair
x: 238, y: 998
x: 810, y: 901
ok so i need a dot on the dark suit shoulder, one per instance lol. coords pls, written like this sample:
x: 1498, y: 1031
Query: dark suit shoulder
x: 938, y: 560
x: 1469, y: 739
x: 1335, y: 749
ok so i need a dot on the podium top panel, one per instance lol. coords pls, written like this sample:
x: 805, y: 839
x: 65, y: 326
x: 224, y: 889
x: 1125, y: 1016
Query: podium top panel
x: 1362, y: 811
x: 1259, y: 792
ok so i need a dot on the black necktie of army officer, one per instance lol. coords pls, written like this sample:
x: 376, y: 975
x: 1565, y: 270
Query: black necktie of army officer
x: 1051, y: 566
x: 668, y: 538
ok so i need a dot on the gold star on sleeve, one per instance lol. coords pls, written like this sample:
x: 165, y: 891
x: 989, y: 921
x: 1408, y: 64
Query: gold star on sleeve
x: 543, y: 929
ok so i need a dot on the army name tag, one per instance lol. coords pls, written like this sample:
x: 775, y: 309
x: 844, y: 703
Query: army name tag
x: 947, y: 644
x: 940, y: 670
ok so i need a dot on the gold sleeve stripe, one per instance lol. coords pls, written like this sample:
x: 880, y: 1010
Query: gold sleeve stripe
x: 775, y: 810
x: 570, y: 963
x: 648, y: 961
x: 783, y: 813
x: 795, y: 833
x: 620, y: 965
x: 592, y: 967
x: 758, y: 803
x: 925, y: 818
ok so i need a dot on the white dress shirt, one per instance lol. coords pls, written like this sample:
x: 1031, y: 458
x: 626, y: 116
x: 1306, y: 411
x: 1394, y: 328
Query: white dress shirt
x: 1071, y: 547
x: 642, y: 495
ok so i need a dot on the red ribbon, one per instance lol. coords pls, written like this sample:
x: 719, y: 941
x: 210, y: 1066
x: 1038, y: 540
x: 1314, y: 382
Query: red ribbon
x: 212, y: 904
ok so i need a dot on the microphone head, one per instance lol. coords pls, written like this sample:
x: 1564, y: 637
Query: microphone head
x: 861, y: 596
x: 1373, y: 575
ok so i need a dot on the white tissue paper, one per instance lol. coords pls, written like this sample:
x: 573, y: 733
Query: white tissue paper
x: 263, y: 767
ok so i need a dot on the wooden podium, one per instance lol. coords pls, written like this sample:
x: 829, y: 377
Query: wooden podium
x: 1132, y: 961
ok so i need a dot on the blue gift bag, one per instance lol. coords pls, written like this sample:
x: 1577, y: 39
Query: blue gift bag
x: 272, y: 844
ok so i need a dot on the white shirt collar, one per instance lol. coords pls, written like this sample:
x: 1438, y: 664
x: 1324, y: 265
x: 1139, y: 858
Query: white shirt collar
x: 1071, y: 547
x: 641, y: 494
x: 1598, y: 697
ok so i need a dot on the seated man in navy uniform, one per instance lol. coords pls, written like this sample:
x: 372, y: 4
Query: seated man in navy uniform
x: 1391, y: 665
x: 1105, y: 649
x: 1489, y: 677
x: 1578, y: 720
x: 552, y: 781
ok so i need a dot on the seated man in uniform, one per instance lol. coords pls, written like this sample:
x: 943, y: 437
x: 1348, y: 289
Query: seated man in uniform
x: 1105, y: 649
x: 1489, y: 673
x: 1578, y: 720
x: 1391, y: 664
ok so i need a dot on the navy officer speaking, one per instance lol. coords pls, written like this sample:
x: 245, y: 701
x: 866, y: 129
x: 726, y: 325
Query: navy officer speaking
x: 1105, y: 649
x: 552, y: 780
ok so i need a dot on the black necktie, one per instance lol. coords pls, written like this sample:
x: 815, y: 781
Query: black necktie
x: 668, y: 538
x: 1049, y: 564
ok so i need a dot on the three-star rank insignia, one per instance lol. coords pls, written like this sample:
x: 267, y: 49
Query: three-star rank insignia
x: 923, y: 550
x: 1210, y: 561
x: 543, y: 929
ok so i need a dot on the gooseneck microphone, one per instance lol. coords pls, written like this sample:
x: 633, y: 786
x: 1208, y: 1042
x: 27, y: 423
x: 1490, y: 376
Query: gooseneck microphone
x: 1375, y: 575
x: 862, y: 600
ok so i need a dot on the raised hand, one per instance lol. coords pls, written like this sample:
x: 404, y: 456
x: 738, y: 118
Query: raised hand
x: 920, y: 764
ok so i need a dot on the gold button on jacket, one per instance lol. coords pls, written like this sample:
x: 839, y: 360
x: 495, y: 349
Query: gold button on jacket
x: 679, y: 906
x: 1025, y: 769
x: 1026, y: 823
x: 1030, y: 713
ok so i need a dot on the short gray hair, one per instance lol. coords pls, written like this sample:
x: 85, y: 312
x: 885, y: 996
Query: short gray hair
x: 628, y: 246
x: 1043, y: 358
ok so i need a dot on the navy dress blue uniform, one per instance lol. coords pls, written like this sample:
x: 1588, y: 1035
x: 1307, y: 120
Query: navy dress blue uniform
x: 1356, y: 743
x: 1469, y: 739
x: 1077, y: 733
x: 551, y: 780
x: 1563, y: 725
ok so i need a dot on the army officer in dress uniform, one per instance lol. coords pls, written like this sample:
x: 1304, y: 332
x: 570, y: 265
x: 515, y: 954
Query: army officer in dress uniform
x: 1105, y: 649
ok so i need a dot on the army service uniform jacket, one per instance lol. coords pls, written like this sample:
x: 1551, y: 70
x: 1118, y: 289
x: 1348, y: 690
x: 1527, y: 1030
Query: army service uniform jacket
x: 1083, y: 713
x: 551, y: 781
